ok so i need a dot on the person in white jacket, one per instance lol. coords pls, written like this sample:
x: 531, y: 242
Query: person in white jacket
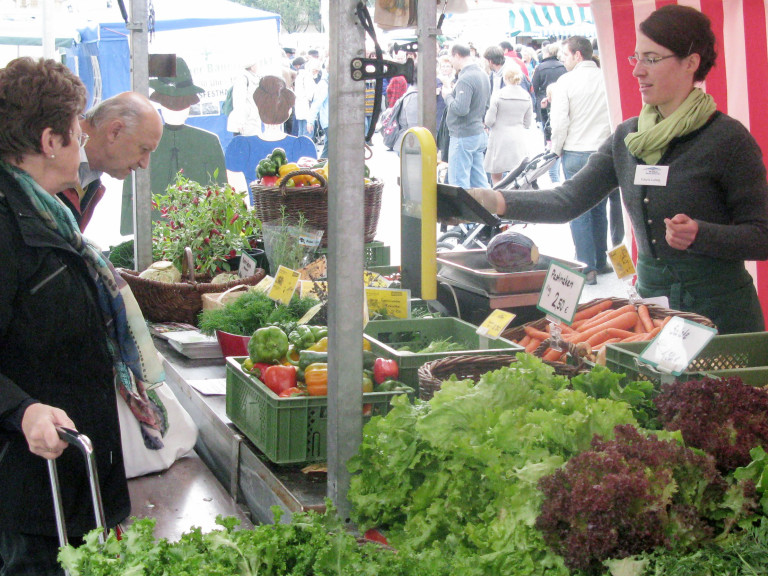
x: 305, y: 88
x: 580, y: 123
x: 244, y: 120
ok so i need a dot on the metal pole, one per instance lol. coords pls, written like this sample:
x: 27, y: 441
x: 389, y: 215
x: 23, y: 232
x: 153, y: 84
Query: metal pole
x: 345, y: 250
x: 427, y: 62
x: 142, y: 194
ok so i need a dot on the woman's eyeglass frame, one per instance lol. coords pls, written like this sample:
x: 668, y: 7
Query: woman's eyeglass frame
x: 647, y: 61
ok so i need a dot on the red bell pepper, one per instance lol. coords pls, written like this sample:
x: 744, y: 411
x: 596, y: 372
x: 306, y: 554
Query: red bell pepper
x: 385, y: 369
x: 279, y: 378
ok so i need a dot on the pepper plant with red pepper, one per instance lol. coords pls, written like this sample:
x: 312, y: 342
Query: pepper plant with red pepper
x: 213, y: 220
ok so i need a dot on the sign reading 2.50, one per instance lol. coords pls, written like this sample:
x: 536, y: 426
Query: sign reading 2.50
x: 560, y: 294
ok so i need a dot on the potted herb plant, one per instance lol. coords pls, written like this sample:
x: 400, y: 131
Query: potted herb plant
x: 213, y: 220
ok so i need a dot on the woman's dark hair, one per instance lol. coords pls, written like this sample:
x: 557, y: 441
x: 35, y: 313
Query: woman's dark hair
x: 35, y: 95
x: 685, y: 31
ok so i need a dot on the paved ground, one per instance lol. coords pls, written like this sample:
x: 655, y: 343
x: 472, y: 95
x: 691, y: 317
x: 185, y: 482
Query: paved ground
x: 553, y: 240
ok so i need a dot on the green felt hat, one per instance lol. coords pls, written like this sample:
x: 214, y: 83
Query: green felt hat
x: 179, y: 85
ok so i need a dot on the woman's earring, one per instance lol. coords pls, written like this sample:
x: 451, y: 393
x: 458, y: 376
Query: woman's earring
x: 53, y: 156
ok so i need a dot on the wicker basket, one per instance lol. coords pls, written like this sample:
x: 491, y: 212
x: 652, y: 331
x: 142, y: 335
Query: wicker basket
x: 432, y: 374
x: 655, y: 311
x: 312, y: 202
x: 178, y: 301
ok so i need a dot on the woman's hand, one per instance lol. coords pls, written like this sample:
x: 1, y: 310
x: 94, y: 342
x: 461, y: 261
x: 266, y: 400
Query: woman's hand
x: 39, y: 426
x: 681, y: 231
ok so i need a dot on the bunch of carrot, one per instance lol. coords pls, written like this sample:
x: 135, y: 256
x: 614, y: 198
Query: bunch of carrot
x: 597, y: 325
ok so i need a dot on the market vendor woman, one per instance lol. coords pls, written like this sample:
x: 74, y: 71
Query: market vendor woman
x: 67, y: 336
x: 702, y: 207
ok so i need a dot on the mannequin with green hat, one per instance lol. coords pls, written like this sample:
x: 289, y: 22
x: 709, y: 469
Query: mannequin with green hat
x: 196, y: 151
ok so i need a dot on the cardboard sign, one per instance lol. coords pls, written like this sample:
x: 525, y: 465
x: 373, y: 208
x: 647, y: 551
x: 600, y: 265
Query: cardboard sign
x: 622, y: 262
x: 677, y: 345
x: 495, y: 324
x: 284, y: 285
x: 560, y: 294
x: 248, y: 265
x: 396, y: 303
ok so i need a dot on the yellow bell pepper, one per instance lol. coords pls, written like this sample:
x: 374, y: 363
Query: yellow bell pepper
x: 286, y: 168
x: 366, y: 344
x: 320, y: 346
x: 316, y: 379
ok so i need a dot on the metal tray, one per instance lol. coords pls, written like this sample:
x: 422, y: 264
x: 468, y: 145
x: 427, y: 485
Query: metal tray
x: 471, y: 268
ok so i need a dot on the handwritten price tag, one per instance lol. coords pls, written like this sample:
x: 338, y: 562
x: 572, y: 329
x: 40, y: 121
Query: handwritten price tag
x: 309, y: 314
x: 495, y: 324
x: 284, y: 285
x: 561, y: 292
x: 247, y: 265
x: 395, y: 303
x: 374, y: 280
x: 677, y: 345
x: 264, y: 284
x: 621, y: 262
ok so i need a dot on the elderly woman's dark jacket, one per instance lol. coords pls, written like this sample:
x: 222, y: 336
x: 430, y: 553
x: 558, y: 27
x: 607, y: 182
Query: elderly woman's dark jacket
x: 52, y: 349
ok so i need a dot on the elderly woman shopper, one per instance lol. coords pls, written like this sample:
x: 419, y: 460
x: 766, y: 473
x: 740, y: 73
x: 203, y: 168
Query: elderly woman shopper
x: 508, y: 117
x: 68, y: 337
x: 692, y: 180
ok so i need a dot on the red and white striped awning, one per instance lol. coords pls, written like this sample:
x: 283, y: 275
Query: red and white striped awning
x: 737, y: 82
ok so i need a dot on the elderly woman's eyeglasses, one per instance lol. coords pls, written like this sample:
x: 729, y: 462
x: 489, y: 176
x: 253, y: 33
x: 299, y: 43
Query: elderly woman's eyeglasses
x: 82, y: 138
x: 647, y: 60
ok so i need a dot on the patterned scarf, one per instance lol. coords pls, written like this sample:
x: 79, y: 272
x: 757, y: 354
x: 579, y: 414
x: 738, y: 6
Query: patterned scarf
x: 137, y: 367
x: 654, y: 132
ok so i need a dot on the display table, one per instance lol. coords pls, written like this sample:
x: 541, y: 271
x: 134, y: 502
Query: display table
x: 246, y: 473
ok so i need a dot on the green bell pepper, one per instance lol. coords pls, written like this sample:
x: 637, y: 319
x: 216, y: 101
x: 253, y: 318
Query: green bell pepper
x: 268, y: 344
x: 301, y: 337
x: 319, y: 331
x: 394, y: 386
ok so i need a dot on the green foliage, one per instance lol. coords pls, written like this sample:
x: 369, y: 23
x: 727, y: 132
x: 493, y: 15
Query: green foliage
x: 295, y: 15
x: 121, y: 255
x: 311, y: 544
x: 212, y: 220
x: 252, y: 311
x: 457, y: 476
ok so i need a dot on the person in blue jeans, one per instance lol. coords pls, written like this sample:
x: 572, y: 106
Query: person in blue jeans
x: 590, y: 230
x: 466, y: 104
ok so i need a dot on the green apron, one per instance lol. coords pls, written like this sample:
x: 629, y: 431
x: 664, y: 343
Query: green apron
x: 721, y: 290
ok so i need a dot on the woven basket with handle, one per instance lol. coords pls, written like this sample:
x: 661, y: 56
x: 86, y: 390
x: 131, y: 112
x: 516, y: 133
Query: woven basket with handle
x: 432, y: 374
x: 657, y: 312
x: 312, y: 202
x: 178, y: 301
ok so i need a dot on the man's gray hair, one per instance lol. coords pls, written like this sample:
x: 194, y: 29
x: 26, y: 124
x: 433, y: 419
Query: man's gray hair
x: 126, y: 109
x: 552, y: 49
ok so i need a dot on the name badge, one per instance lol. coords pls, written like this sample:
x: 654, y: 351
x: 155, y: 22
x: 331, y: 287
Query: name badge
x: 651, y: 175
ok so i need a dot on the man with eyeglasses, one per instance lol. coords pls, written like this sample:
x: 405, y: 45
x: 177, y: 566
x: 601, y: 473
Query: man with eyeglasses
x: 580, y: 123
x: 118, y: 136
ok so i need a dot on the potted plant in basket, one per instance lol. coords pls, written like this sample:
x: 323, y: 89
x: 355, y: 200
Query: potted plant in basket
x: 213, y: 220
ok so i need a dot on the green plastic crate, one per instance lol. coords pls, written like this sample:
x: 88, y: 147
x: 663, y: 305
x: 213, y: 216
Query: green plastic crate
x: 742, y: 355
x: 388, y: 335
x: 376, y: 254
x: 286, y: 430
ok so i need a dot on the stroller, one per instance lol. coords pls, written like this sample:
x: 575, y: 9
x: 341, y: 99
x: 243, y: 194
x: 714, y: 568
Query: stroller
x: 525, y: 176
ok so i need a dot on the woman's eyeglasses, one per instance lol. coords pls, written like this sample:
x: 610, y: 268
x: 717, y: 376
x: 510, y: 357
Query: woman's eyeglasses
x: 648, y: 60
x: 82, y: 138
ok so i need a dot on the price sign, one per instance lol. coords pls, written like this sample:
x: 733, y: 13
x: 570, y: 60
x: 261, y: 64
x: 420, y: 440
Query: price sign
x: 284, y: 285
x: 310, y: 288
x: 676, y: 346
x: 396, y: 303
x: 309, y: 314
x: 561, y: 292
x: 247, y: 265
x: 495, y: 324
x: 374, y: 279
x: 264, y: 284
x: 621, y: 261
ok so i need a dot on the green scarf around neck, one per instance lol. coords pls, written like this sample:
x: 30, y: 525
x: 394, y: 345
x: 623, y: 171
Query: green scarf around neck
x: 654, y: 132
